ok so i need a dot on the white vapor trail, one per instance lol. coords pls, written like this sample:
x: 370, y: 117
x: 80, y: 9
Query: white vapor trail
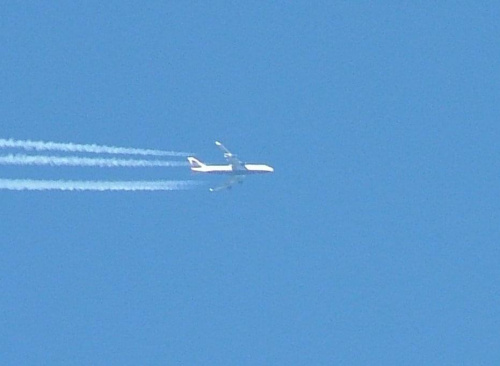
x: 86, y: 148
x: 84, y: 162
x: 61, y: 185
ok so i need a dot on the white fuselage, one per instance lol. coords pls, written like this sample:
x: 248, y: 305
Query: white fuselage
x: 228, y: 169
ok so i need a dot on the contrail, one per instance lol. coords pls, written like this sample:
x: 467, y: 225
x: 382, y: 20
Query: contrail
x: 61, y: 185
x: 86, y: 148
x: 85, y: 162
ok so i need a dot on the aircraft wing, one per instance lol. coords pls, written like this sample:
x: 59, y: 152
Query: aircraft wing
x: 234, y: 179
x: 230, y: 157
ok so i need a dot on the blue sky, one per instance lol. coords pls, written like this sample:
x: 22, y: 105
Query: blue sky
x: 374, y: 242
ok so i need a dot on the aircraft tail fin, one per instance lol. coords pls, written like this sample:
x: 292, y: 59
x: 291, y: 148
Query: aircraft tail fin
x: 195, y: 163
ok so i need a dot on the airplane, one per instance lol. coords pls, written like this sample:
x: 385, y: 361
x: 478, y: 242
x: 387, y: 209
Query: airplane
x: 236, y: 169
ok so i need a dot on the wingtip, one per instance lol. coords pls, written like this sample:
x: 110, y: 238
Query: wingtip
x: 217, y: 143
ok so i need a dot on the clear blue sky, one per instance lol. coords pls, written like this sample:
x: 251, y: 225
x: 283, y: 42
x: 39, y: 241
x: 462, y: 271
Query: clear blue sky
x: 376, y: 241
